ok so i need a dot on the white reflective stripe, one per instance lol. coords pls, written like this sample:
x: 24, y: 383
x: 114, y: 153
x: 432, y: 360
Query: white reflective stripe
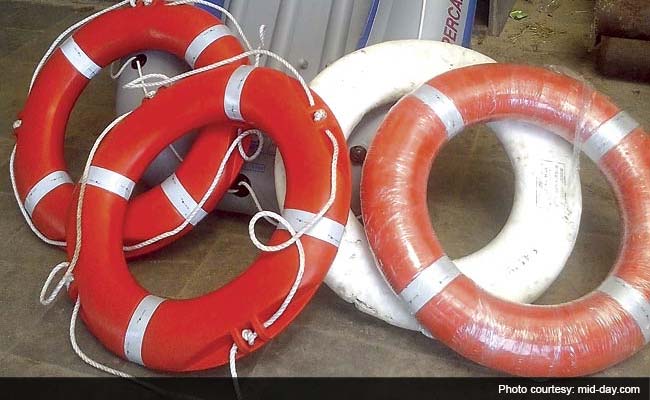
x: 234, y: 89
x: 325, y: 229
x: 203, y: 40
x: 43, y: 187
x: 181, y: 199
x: 443, y: 107
x: 138, y: 327
x: 609, y: 135
x: 110, y: 181
x: 79, y: 59
x: 631, y: 300
x: 428, y: 283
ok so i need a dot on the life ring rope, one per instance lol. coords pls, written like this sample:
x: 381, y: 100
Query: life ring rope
x: 143, y: 82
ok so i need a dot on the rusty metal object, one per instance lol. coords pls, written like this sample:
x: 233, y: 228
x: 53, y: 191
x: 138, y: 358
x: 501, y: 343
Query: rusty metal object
x: 622, y: 18
x: 624, y: 58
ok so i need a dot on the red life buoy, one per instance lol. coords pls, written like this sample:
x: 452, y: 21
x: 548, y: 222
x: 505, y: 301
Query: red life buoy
x: 185, y: 335
x: 575, y: 338
x: 42, y: 182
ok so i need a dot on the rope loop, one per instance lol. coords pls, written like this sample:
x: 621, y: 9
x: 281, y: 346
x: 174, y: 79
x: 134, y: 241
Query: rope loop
x: 258, y: 150
x: 143, y: 81
x: 65, y: 280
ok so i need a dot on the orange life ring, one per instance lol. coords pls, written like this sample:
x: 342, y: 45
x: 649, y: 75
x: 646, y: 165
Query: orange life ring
x: 42, y: 182
x: 575, y: 338
x: 185, y: 335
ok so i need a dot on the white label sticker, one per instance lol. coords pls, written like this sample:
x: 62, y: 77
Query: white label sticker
x: 550, y: 187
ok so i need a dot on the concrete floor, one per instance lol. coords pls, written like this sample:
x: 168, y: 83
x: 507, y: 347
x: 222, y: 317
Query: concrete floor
x: 471, y: 182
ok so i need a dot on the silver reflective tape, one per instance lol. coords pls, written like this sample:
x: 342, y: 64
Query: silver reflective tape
x: 443, y: 107
x: 428, y: 283
x: 110, y: 181
x: 43, y: 187
x: 234, y: 89
x: 181, y: 199
x: 325, y: 229
x: 203, y: 40
x: 79, y: 59
x: 630, y: 300
x: 137, y: 328
x: 609, y: 135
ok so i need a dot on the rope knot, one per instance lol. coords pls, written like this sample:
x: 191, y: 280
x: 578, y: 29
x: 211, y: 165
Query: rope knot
x: 17, y: 124
x: 67, y: 279
x: 320, y: 115
x: 258, y: 149
x: 134, y: 3
x: 249, y: 336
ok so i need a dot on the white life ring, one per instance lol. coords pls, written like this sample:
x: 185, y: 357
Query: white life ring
x: 538, y: 237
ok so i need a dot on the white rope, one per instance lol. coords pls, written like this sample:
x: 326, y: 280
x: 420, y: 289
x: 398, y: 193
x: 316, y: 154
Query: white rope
x: 122, y: 68
x: 142, y: 82
x: 68, y: 276
x: 235, y: 145
x: 85, y: 358
x: 318, y: 216
x: 423, y: 12
x: 262, y: 34
x: 149, y: 94
x: 21, y: 206
x: 256, y: 200
x: 66, y: 280
x: 248, y: 335
x: 81, y: 354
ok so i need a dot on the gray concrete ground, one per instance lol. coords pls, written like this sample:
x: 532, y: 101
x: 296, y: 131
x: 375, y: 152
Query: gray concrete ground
x: 471, y: 192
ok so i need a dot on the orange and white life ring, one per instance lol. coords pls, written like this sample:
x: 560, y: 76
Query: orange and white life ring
x: 575, y: 338
x: 44, y: 187
x: 194, y: 334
